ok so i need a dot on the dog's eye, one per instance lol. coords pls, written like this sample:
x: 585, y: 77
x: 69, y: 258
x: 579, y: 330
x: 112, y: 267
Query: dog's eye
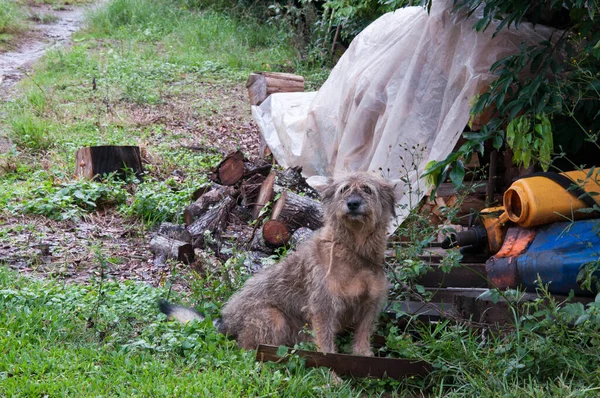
x: 345, y: 189
x: 367, y: 190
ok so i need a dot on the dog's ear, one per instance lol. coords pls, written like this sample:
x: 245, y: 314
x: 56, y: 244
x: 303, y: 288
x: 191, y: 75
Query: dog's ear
x: 388, y: 197
x: 329, y: 192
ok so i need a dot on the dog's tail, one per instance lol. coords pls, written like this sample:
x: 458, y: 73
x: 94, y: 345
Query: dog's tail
x: 179, y: 313
x: 184, y: 314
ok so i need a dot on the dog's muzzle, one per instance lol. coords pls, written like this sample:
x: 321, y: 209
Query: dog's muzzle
x: 355, y: 205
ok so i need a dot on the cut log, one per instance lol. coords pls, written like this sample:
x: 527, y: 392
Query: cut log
x: 252, y: 168
x: 300, y: 235
x: 254, y: 260
x: 262, y: 84
x: 265, y: 194
x: 201, y: 191
x: 250, y: 190
x: 204, y: 202
x: 292, y: 179
x: 275, y: 233
x: 164, y: 248
x: 214, y: 221
x: 258, y: 244
x: 299, y: 211
x: 230, y: 170
x: 278, y: 205
x: 175, y: 231
x: 96, y: 161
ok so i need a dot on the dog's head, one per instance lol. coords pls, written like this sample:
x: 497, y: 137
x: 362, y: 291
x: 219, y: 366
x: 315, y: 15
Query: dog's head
x: 360, y: 201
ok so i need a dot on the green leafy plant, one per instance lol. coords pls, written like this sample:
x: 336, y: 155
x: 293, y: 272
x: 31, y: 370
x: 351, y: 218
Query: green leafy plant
x: 71, y: 200
x: 546, y: 96
x: 530, y: 139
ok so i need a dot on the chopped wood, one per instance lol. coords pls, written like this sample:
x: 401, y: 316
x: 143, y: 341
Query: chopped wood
x: 165, y: 248
x: 350, y: 365
x: 278, y: 205
x: 201, y: 191
x: 250, y: 189
x: 300, y: 235
x: 175, y: 231
x: 292, y: 179
x: 231, y: 169
x: 265, y: 194
x: 96, y: 161
x: 299, y: 211
x: 204, y: 202
x: 262, y: 84
x: 214, y: 221
x: 275, y: 233
x: 252, y: 168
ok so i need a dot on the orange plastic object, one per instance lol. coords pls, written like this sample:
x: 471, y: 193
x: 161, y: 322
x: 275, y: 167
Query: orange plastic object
x: 538, y: 200
x: 494, y: 220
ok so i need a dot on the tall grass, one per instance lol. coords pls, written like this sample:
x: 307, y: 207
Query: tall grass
x: 194, y: 36
x: 12, y: 18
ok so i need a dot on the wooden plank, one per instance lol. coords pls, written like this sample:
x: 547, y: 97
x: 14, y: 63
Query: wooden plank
x: 468, y: 275
x: 350, y: 365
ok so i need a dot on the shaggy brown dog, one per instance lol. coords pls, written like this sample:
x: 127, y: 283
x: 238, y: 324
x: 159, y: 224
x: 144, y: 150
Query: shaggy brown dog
x: 333, y: 281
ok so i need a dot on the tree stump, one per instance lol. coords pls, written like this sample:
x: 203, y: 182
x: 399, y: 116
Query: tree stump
x: 96, y: 161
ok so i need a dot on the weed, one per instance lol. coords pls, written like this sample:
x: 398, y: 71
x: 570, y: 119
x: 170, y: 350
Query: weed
x: 12, y: 18
x: 70, y: 200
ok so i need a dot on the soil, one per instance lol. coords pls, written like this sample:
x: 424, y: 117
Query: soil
x: 43, y: 36
x: 105, y: 242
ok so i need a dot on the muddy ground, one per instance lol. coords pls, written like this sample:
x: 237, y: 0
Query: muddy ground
x: 42, y: 36
x: 105, y: 242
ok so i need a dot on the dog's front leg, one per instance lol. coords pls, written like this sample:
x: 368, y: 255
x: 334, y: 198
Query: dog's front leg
x: 363, y: 330
x: 324, y: 330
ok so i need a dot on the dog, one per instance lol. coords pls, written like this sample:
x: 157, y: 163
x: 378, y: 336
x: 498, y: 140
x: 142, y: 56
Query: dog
x: 333, y: 281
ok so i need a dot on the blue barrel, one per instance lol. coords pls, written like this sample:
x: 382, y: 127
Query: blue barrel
x: 558, y: 253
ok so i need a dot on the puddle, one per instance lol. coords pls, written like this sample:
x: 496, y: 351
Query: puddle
x: 42, y: 37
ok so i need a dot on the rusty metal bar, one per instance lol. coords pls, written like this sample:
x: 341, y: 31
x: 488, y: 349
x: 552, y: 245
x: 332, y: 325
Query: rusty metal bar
x: 350, y: 365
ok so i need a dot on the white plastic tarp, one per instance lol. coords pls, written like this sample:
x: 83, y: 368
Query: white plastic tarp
x: 404, y: 83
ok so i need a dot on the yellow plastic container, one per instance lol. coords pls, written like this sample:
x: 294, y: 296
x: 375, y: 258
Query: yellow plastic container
x: 539, y: 200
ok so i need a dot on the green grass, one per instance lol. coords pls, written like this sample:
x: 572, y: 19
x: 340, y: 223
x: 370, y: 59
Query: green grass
x: 49, y: 347
x: 12, y: 19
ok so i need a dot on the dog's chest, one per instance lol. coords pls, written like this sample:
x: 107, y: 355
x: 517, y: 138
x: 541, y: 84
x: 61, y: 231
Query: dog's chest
x: 352, y: 284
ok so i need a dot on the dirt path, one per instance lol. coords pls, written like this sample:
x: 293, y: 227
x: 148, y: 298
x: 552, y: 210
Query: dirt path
x: 42, y: 37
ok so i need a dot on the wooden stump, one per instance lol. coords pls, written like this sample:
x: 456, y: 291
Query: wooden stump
x: 96, y: 161
x: 262, y: 84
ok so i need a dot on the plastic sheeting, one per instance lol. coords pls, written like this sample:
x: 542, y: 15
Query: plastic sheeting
x: 398, y: 98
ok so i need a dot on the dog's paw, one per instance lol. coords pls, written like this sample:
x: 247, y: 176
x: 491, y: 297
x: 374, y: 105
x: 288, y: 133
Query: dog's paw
x: 363, y: 351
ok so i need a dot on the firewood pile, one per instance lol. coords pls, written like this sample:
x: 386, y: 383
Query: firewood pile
x: 247, y: 204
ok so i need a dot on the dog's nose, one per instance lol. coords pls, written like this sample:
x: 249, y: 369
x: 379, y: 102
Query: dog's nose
x: 353, y: 203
